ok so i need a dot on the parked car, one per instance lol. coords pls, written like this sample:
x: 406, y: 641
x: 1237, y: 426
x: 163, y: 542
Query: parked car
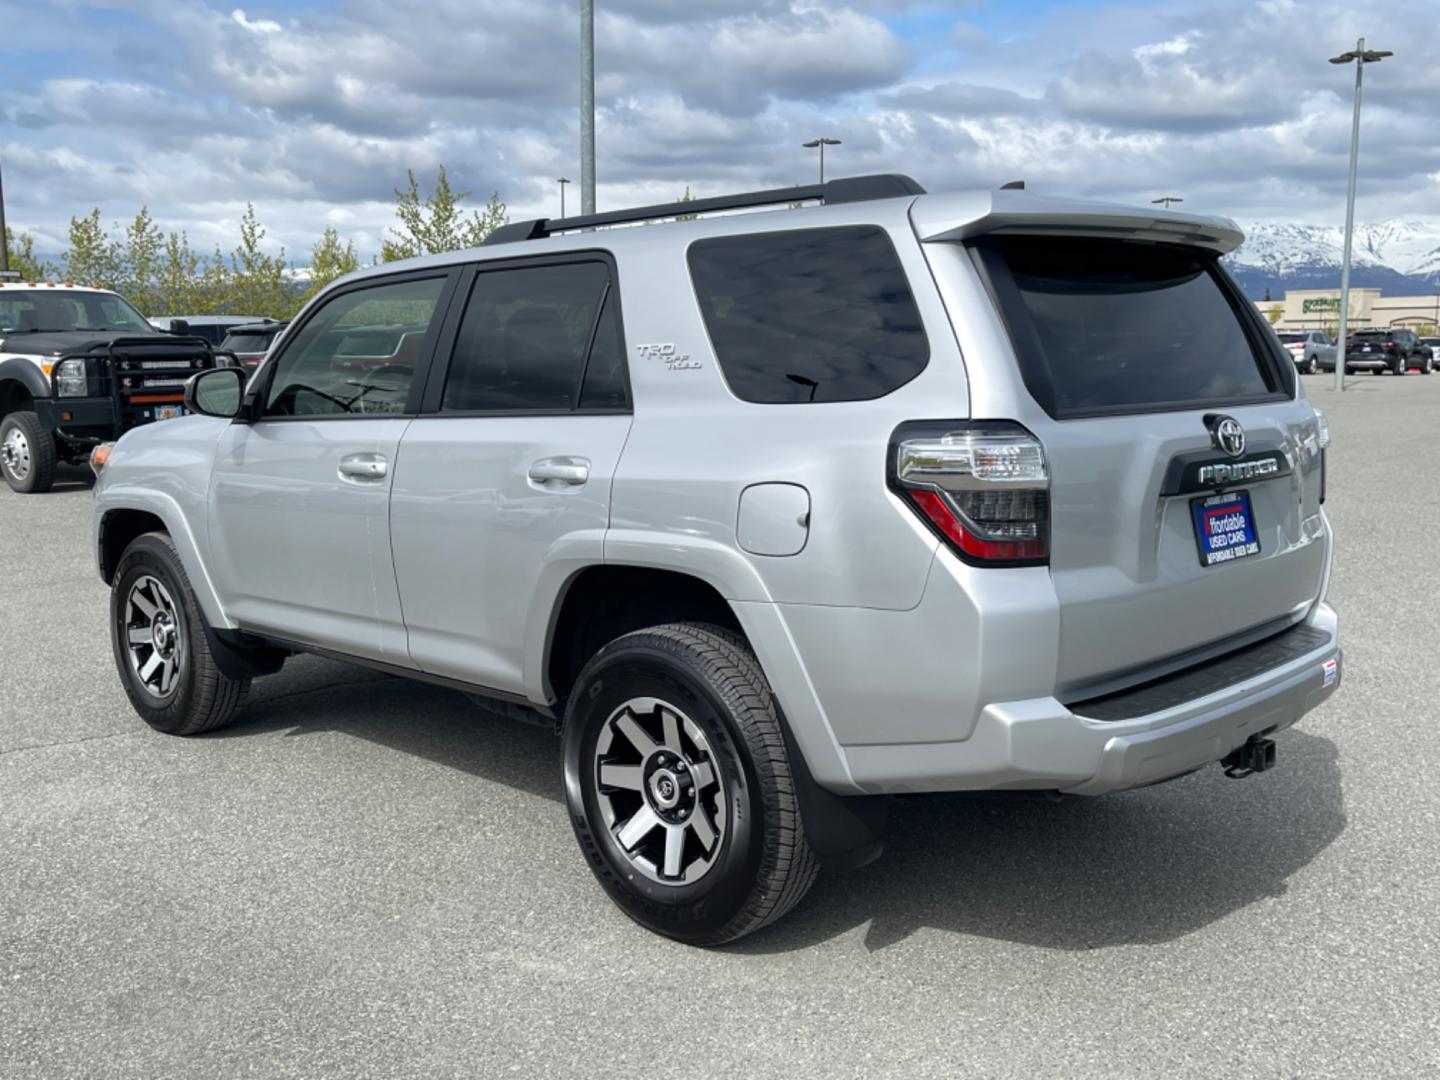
x: 249, y: 343
x: 1395, y: 350
x: 1311, y: 350
x: 771, y: 514
x: 1433, y: 344
x: 79, y: 367
x: 212, y: 328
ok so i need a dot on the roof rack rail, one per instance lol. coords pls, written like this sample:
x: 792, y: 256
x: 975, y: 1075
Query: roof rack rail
x: 845, y: 190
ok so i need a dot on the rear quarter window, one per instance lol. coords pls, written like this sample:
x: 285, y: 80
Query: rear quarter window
x: 809, y: 315
x: 1110, y: 326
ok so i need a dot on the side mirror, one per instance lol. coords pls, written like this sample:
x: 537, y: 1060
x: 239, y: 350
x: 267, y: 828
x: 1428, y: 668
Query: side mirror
x: 179, y: 326
x: 217, y: 392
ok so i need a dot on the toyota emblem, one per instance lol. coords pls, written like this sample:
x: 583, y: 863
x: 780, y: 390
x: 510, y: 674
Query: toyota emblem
x: 1228, y: 435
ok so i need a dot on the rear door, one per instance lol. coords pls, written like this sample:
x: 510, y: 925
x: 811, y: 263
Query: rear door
x: 299, y: 505
x: 1149, y: 368
x: 504, y: 480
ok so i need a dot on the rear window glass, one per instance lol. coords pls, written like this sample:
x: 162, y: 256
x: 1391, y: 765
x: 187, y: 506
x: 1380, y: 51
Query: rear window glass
x: 809, y: 314
x: 1110, y: 326
x: 249, y: 342
x: 1373, y: 334
x: 1291, y: 339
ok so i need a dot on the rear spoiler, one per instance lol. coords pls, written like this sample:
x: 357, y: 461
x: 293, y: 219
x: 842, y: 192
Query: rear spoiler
x: 939, y: 218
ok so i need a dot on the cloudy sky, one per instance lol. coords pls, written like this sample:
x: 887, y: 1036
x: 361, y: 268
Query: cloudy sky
x: 313, y: 109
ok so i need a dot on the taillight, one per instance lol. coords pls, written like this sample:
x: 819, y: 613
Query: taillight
x: 982, y: 487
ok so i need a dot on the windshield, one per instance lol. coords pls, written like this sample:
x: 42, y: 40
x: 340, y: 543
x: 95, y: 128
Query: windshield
x: 53, y: 310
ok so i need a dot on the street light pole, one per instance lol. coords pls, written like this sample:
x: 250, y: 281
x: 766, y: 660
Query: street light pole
x: 562, y: 181
x: 821, y: 142
x: 587, y: 106
x: 4, y: 239
x: 1360, y: 57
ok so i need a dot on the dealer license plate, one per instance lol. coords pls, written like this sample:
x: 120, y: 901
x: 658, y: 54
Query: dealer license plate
x: 168, y: 412
x: 1224, y: 527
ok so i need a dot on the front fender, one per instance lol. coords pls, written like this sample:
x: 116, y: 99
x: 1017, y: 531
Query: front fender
x: 167, y: 509
x: 24, y: 372
x: 164, y: 469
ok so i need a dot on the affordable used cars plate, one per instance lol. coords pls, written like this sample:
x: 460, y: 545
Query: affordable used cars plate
x: 168, y: 412
x: 1224, y: 527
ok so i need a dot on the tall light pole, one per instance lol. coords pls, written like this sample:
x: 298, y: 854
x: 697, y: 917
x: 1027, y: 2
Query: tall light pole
x: 1167, y: 200
x: 587, y: 106
x: 821, y: 143
x: 562, y: 181
x: 1359, y: 57
x: 4, y: 240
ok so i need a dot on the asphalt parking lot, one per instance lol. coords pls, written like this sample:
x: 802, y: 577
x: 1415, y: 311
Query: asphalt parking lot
x: 372, y: 878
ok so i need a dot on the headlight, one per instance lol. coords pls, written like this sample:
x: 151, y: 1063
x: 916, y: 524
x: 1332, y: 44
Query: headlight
x: 70, y: 378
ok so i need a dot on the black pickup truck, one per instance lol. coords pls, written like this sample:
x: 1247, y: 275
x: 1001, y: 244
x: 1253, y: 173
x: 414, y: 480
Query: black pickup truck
x: 79, y: 367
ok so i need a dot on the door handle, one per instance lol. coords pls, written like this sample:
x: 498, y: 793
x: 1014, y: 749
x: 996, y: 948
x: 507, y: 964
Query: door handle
x: 558, y: 472
x: 364, y: 466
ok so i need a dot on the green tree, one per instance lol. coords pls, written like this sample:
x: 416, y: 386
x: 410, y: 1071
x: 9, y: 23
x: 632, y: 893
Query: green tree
x: 687, y: 197
x: 178, y: 278
x: 21, y: 249
x: 437, y: 222
x: 92, y: 258
x: 214, y: 288
x: 329, y: 260
x: 258, y: 283
x: 141, y: 261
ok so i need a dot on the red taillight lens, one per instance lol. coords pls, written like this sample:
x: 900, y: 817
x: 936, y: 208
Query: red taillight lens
x: 984, y: 489
x: 1389, y: 344
x: 939, y: 514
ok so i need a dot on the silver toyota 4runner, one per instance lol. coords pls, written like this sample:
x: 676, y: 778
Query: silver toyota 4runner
x: 771, y: 514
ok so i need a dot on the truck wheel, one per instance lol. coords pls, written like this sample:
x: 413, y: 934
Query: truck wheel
x: 679, y: 785
x: 158, y: 636
x: 27, y: 453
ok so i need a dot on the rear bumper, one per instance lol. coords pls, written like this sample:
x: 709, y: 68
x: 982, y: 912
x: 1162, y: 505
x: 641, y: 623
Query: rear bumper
x: 1042, y: 744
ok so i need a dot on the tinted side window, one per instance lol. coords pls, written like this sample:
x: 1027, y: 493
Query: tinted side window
x: 810, y: 314
x: 357, y: 353
x: 523, y: 339
x: 604, y: 386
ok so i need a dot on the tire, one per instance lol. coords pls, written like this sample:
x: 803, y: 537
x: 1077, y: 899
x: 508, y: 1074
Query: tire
x: 1312, y: 366
x: 1427, y: 365
x: 27, y: 454
x: 700, y: 689
x: 158, y: 637
x: 1401, y: 365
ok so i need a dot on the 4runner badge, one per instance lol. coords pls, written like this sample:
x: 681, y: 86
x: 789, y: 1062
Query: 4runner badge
x: 674, y: 361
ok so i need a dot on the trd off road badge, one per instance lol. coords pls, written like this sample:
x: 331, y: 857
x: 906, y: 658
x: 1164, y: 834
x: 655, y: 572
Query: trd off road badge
x: 674, y: 361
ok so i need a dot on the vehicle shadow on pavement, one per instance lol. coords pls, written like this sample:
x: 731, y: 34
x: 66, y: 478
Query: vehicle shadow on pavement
x: 1136, y: 868
x: 72, y: 478
x: 1131, y: 869
x: 311, y: 695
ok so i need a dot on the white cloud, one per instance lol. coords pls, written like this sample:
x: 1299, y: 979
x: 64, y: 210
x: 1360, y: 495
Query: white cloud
x: 195, y: 111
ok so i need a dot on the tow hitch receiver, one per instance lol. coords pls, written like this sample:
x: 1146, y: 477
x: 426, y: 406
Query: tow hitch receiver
x: 1257, y: 755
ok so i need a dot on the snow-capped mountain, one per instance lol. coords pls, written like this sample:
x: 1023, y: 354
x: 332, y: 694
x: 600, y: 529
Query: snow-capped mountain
x: 1400, y: 256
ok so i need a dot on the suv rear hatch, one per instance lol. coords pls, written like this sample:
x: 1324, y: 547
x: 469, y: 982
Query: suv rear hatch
x: 1128, y: 350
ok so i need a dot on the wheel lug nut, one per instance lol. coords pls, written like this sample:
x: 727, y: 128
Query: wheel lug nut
x: 680, y: 766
